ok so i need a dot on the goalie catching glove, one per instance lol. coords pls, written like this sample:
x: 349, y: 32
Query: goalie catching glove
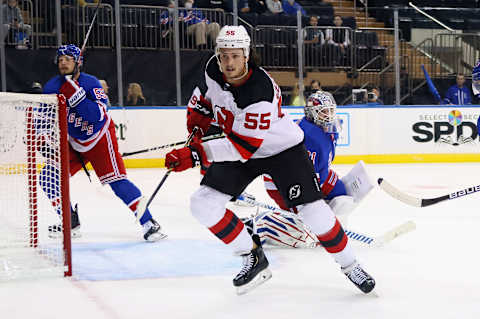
x: 187, y: 157
x: 199, y: 113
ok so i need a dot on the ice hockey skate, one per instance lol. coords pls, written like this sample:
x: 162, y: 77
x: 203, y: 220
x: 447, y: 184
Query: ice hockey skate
x: 359, y: 277
x: 255, y: 270
x: 56, y: 231
x: 151, y: 231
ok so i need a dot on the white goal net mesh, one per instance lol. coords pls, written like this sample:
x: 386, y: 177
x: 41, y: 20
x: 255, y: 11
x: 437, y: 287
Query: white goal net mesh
x: 31, y: 187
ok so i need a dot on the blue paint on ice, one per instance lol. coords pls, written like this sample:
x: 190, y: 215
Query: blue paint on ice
x: 138, y: 260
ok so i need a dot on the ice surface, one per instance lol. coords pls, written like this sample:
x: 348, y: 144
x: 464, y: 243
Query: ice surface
x: 429, y: 273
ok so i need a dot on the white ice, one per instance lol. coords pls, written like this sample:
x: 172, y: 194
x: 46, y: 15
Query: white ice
x: 432, y: 272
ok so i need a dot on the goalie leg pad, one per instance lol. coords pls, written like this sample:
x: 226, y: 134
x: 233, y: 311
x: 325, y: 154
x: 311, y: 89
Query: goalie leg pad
x: 357, y: 182
x: 284, y: 230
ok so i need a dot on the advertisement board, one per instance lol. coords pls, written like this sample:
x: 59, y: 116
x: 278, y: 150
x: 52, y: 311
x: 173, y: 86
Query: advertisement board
x: 383, y: 134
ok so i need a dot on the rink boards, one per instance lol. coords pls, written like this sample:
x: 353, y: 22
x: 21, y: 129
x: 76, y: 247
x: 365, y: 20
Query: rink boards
x: 376, y: 134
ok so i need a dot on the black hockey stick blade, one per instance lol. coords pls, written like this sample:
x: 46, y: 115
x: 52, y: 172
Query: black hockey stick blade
x: 423, y: 202
x: 143, y: 203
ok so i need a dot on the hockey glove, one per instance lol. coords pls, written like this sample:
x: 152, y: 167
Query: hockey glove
x: 185, y: 158
x: 199, y: 114
x: 72, y: 91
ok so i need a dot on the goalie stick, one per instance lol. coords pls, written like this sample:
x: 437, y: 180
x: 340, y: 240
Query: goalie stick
x: 204, y: 139
x: 423, y: 202
x: 143, y: 203
x: 362, y: 238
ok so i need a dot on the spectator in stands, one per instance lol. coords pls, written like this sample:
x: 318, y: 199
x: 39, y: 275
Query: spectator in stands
x: 253, y: 6
x: 314, y: 43
x: 291, y: 7
x: 314, y: 87
x: 105, y: 89
x: 275, y: 6
x: 297, y: 99
x: 458, y: 94
x: 374, y: 96
x: 166, y: 22
x: 13, y: 25
x: 314, y: 35
x: 338, y: 38
x: 135, y: 95
x: 198, y: 25
x: 211, y: 4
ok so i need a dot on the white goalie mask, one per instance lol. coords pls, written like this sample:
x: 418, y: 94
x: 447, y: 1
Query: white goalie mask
x: 321, y: 109
x: 233, y: 37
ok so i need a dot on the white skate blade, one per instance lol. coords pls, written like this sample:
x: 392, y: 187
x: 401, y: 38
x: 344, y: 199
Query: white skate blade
x: 259, y: 279
x: 156, y: 237
x: 74, y: 233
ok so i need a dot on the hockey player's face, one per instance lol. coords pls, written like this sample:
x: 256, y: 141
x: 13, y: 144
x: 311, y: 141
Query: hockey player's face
x: 232, y: 62
x: 66, y: 64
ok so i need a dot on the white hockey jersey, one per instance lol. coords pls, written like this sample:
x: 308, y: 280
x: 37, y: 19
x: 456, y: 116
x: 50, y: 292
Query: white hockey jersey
x: 249, y: 114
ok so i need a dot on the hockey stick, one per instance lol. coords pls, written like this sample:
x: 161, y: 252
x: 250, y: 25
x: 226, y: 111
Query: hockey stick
x: 423, y: 202
x: 364, y: 239
x: 90, y: 27
x: 75, y: 71
x: 143, y: 203
x: 204, y: 139
x: 431, y: 86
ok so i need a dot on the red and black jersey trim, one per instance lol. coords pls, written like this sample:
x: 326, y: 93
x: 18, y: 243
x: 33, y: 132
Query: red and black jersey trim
x: 228, y: 228
x: 245, y: 145
x: 335, y: 240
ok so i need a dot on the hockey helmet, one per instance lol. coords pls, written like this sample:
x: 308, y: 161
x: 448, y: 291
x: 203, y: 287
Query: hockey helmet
x: 71, y: 50
x: 321, y: 109
x: 232, y: 36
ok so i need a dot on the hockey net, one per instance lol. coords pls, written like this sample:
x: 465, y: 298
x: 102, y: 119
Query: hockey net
x: 33, y: 186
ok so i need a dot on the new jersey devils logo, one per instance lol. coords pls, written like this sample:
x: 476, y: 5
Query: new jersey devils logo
x: 294, y: 192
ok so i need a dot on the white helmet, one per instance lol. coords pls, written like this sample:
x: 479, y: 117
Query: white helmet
x: 321, y: 110
x: 232, y: 36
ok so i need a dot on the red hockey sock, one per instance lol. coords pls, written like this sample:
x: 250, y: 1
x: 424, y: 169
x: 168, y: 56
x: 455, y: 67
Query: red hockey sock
x: 335, y: 240
x: 228, y: 228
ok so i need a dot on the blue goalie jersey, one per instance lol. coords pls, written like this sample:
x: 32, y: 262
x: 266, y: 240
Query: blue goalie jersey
x: 321, y: 149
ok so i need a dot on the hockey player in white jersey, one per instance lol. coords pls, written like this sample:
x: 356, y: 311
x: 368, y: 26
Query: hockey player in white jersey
x: 246, y: 103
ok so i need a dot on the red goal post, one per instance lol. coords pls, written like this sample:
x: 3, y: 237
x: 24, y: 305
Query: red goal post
x: 34, y: 186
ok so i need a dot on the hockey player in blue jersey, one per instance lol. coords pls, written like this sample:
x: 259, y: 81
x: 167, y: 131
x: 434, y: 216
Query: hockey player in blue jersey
x: 476, y: 87
x: 91, y: 136
x: 320, y: 127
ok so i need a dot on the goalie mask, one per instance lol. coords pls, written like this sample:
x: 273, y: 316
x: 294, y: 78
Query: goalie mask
x: 71, y: 50
x: 233, y: 37
x: 321, y: 110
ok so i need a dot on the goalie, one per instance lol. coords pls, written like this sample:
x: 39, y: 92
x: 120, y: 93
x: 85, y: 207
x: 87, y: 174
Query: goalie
x: 321, y: 128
